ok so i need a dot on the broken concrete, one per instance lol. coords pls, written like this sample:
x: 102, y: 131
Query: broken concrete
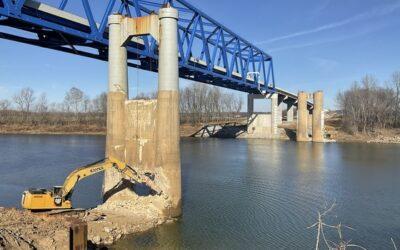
x: 109, y: 222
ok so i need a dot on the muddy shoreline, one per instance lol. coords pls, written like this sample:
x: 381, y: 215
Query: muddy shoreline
x: 381, y: 137
x: 22, y: 229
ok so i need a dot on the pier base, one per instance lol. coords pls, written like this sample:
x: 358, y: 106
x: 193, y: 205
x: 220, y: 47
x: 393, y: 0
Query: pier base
x: 263, y: 125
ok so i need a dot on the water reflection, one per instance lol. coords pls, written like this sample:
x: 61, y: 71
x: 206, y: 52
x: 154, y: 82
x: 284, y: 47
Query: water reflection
x: 310, y: 156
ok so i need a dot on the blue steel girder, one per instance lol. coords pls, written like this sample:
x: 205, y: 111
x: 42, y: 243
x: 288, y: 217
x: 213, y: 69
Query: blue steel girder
x: 208, y: 51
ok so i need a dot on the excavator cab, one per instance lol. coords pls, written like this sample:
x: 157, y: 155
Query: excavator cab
x: 43, y: 199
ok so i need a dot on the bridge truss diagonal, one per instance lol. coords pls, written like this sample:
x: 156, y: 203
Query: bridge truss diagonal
x: 208, y: 51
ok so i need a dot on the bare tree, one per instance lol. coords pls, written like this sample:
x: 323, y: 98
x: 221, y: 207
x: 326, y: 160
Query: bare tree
x: 5, y: 105
x: 86, y: 107
x: 396, y: 86
x: 100, y: 103
x: 74, y: 100
x: 24, y: 99
x: 366, y: 106
x: 42, y: 104
x: 202, y: 103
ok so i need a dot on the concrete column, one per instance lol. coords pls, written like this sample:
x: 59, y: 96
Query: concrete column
x: 302, y: 117
x: 317, y: 121
x: 117, y: 95
x: 250, y: 105
x: 250, y: 112
x: 167, y: 123
x: 289, y: 113
x: 275, y: 117
x: 280, y: 111
x: 117, y: 57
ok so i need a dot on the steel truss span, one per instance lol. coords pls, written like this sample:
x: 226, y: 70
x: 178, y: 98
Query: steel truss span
x: 209, y: 52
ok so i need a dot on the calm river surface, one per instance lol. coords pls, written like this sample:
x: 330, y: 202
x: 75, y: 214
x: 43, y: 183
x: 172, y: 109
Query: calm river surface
x: 237, y: 193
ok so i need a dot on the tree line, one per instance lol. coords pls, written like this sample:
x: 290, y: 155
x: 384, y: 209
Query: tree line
x: 368, y: 105
x: 201, y: 103
x: 198, y: 103
x: 27, y: 108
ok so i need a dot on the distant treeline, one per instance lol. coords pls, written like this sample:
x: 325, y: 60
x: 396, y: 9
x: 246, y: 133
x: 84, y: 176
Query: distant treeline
x: 368, y: 106
x: 199, y: 103
x: 77, y: 109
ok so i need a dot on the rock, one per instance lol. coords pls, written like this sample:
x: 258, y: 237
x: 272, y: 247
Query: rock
x: 96, y: 240
x: 108, y: 240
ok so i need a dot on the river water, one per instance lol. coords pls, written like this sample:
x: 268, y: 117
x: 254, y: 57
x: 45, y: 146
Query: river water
x: 256, y: 194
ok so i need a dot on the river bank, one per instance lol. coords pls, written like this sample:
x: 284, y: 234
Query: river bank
x: 51, y: 130
x: 186, y: 130
x: 107, y: 223
x: 333, y: 131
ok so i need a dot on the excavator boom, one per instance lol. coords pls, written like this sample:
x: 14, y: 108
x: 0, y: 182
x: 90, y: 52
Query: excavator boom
x: 60, y: 196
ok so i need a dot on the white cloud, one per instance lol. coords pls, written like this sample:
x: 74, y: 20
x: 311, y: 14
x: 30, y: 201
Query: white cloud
x: 360, y: 17
x: 370, y: 29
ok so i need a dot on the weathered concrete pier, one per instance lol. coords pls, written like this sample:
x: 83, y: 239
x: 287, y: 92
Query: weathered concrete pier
x: 302, y: 118
x: 167, y: 123
x: 318, y: 118
x: 309, y: 118
x: 145, y: 133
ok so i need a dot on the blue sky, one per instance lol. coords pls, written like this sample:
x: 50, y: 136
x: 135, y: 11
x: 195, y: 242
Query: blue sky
x: 316, y: 45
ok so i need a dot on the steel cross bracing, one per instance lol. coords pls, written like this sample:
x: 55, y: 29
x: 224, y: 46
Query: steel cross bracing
x: 209, y: 52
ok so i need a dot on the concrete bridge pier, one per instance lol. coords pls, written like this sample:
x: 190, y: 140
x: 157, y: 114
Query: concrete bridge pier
x: 250, y: 106
x: 276, y: 115
x: 130, y: 139
x: 264, y: 125
x: 318, y: 118
x: 167, y: 122
x: 302, y: 118
x: 117, y: 95
x: 290, y: 112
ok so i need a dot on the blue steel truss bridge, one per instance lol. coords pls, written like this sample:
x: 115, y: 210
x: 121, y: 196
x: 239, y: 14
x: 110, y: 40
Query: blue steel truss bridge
x: 209, y: 52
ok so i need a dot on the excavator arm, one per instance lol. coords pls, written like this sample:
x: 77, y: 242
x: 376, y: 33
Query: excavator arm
x: 103, y: 165
x: 59, y: 198
x: 82, y: 173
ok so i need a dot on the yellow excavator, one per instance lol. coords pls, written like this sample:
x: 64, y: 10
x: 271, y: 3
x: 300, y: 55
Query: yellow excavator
x: 60, y: 196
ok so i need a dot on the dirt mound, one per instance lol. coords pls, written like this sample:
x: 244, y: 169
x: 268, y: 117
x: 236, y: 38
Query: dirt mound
x: 25, y: 230
x: 120, y: 215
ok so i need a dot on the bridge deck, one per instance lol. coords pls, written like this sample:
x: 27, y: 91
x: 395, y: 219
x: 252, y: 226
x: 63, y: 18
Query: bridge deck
x: 208, y: 51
